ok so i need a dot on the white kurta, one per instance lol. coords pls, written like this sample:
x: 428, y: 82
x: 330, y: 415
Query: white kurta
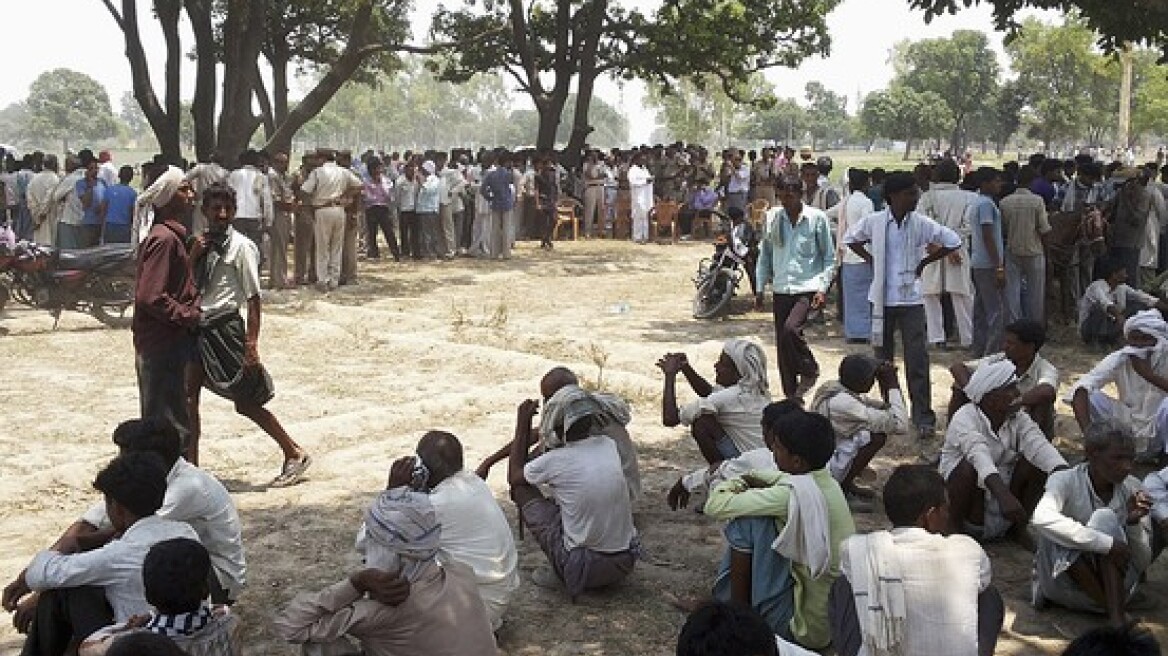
x: 946, y: 204
x: 641, y: 190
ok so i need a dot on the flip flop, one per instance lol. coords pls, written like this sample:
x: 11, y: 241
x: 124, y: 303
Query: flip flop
x: 292, y: 472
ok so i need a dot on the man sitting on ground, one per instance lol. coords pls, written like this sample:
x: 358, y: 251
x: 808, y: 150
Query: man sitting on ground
x: 587, y: 531
x: 1037, y: 378
x: 861, y: 424
x: 784, y: 532
x: 913, y: 591
x: 1093, y: 531
x: 403, y: 602
x: 725, y: 417
x: 1108, y: 301
x: 1156, y: 485
x: 711, y: 476
x: 1140, y: 374
x: 475, y: 531
x: 612, y: 420
x: 83, y: 591
x: 192, y: 496
x: 174, y: 577
x: 995, y: 459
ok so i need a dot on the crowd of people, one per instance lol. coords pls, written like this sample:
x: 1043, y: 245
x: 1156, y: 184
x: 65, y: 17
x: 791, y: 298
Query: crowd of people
x: 162, y: 559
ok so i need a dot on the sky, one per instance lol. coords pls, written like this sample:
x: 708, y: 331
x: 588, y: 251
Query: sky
x: 81, y: 35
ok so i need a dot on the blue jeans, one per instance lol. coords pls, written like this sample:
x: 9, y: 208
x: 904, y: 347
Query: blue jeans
x: 772, y: 588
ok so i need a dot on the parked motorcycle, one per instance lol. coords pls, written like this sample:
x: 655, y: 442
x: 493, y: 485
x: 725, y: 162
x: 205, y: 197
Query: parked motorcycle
x: 717, y: 278
x: 98, y: 280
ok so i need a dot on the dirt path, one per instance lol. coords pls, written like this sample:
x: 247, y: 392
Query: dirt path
x: 361, y: 374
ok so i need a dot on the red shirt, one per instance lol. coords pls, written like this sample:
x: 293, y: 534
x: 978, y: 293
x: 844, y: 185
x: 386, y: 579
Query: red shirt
x: 166, y: 302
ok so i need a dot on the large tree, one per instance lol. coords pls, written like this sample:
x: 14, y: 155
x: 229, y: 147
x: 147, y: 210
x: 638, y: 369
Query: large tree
x: 961, y: 70
x: 65, y: 105
x: 827, y: 114
x: 549, y: 47
x: 903, y: 113
x: 1114, y: 22
x: 697, y: 110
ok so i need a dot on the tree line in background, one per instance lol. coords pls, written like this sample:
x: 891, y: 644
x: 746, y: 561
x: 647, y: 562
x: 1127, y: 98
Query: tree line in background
x: 554, y: 51
x: 947, y: 92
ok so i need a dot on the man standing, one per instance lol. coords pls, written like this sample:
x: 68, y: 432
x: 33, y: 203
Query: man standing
x: 166, y: 303
x: 90, y: 191
x: 353, y: 210
x: 228, y: 266
x: 329, y: 188
x: 254, y: 197
x: 207, y: 172
x: 304, y: 248
x: 71, y: 212
x: 988, y: 264
x: 1024, y: 220
x: 499, y: 191
x: 738, y: 185
x: 898, y: 237
x: 40, y: 202
x: 119, y: 213
x: 281, y: 229
x: 797, y: 256
x: 641, y: 190
x: 946, y: 203
x: 594, y: 210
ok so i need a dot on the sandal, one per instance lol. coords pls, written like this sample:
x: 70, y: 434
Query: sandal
x: 292, y: 472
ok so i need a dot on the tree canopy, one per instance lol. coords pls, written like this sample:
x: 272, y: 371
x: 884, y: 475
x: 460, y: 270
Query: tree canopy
x: 63, y: 105
x: 904, y: 113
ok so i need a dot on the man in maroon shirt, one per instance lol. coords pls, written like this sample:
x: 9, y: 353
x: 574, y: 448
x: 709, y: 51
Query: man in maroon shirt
x: 166, y: 303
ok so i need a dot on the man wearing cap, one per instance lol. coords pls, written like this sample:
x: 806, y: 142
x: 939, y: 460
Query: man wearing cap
x: 898, y: 237
x: 166, y: 303
x: 403, y: 602
x: 797, y: 257
x: 587, y: 532
x: 329, y: 188
x: 995, y: 459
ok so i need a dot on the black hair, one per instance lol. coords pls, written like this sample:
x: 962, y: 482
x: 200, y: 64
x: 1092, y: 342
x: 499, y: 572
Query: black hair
x: 1131, y: 639
x: 858, y: 179
x: 1028, y: 331
x: 878, y: 175
x: 777, y: 410
x: 1107, y: 266
x: 221, y: 192
x: 856, y: 367
x: 1050, y: 165
x: 719, y: 628
x: 175, y: 574
x: 137, y: 481
x: 808, y: 166
x: 1091, y: 169
x: 735, y: 213
x: 910, y: 492
x: 984, y: 175
x: 808, y: 435
x: 445, y: 451
x: 947, y: 171
x: 125, y: 174
x: 149, y: 435
x: 1026, y: 175
x: 143, y: 643
x: 897, y: 182
x: 249, y: 157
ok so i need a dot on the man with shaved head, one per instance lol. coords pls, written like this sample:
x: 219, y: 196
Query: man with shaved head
x: 475, y: 532
x: 614, y: 417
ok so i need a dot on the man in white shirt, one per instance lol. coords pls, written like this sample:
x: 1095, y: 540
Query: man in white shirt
x: 1108, y: 301
x: 1038, y: 379
x: 108, y: 171
x: 946, y: 203
x: 726, y: 417
x: 253, y: 196
x: 935, y: 589
x: 82, y: 591
x: 1140, y: 375
x: 475, y: 531
x: 995, y: 459
x: 861, y: 424
x: 587, y: 531
x: 855, y: 274
x: 641, y: 190
x: 898, y: 238
x: 1094, y: 536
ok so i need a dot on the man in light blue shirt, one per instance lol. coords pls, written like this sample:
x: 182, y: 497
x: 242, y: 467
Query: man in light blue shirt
x: 797, y: 257
x: 119, y: 211
x: 987, y: 265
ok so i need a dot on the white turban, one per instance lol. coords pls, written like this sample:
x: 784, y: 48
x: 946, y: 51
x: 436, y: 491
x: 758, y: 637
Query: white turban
x: 990, y: 377
x: 401, y: 529
x: 568, y: 405
x: 1148, y: 322
x: 750, y: 361
x: 429, y: 167
x: 163, y: 189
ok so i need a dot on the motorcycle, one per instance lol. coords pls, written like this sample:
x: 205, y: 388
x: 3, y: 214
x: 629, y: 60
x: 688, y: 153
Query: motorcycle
x: 98, y: 280
x: 717, y: 278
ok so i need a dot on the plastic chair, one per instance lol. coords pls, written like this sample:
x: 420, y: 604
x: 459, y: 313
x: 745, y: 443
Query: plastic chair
x: 664, y: 214
x: 566, y: 213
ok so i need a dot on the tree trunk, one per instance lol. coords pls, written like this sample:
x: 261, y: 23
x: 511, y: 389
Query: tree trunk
x: 907, y: 149
x: 590, y: 33
x: 203, y: 104
x: 549, y: 122
x: 241, y: 49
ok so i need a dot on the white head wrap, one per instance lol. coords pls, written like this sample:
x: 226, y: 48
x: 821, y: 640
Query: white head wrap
x: 429, y: 167
x: 990, y: 377
x: 750, y: 360
x: 1148, y: 322
x: 163, y: 189
x: 568, y: 405
x: 402, y: 529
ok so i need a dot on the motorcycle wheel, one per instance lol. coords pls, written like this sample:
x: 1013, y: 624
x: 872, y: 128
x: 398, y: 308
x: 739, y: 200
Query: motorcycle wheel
x: 713, y: 296
x: 114, y: 305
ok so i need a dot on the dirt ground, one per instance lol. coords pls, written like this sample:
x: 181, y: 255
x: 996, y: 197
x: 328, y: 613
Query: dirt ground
x: 362, y: 373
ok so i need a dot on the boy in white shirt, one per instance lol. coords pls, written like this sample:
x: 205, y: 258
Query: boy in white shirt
x: 1107, y: 302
